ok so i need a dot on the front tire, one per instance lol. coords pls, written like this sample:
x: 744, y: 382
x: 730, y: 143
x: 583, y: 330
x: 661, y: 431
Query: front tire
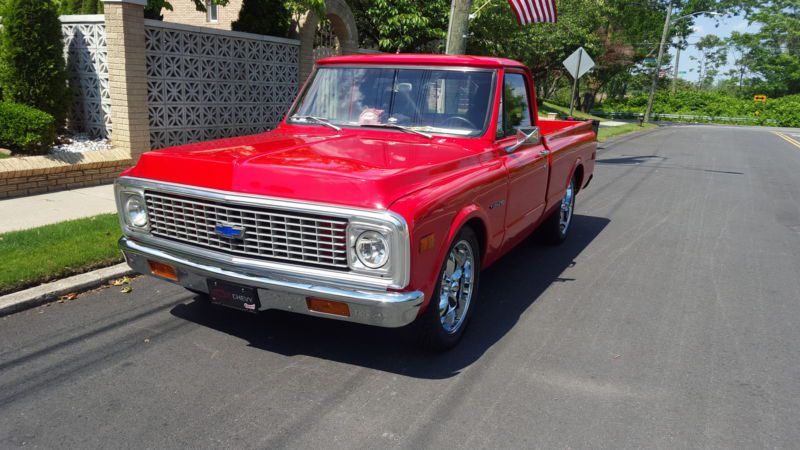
x: 557, y: 226
x: 442, y: 324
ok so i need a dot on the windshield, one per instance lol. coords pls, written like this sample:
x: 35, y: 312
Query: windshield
x: 428, y: 100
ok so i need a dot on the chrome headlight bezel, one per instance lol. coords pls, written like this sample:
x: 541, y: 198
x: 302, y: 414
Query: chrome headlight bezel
x: 395, y: 234
x: 123, y: 195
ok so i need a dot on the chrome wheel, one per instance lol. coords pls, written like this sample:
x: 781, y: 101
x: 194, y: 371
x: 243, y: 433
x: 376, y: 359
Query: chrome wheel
x: 456, y: 289
x: 567, y: 206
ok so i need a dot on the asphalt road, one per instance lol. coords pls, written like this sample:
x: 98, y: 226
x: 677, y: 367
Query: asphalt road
x: 670, y: 319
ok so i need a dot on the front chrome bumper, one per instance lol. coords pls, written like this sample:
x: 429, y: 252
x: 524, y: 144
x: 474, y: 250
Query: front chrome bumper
x: 372, y: 307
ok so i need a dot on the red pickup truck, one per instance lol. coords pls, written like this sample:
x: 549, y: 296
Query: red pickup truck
x: 392, y: 182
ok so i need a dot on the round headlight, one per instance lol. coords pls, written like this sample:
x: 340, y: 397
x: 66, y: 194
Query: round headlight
x: 137, y: 212
x: 372, y: 249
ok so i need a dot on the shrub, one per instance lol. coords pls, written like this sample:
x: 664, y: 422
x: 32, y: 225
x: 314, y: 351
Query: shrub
x: 32, y: 57
x: 785, y: 110
x: 267, y: 17
x: 26, y: 130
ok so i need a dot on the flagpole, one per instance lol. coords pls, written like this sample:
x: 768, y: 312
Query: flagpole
x: 480, y: 8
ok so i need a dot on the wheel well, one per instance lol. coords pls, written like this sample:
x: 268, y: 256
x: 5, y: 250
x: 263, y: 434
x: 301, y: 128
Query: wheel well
x: 579, y: 176
x: 479, y: 228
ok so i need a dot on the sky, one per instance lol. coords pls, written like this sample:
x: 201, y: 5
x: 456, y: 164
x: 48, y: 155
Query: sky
x: 702, y: 27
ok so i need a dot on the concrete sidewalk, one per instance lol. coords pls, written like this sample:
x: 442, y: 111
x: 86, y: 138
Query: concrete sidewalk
x: 37, y: 210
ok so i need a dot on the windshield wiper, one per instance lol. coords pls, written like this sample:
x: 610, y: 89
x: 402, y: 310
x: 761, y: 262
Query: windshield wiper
x: 318, y: 120
x: 398, y: 127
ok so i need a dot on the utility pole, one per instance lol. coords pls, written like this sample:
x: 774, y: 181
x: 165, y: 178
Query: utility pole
x: 664, y: 34
x: 459, y: 27
x: 677, y: 62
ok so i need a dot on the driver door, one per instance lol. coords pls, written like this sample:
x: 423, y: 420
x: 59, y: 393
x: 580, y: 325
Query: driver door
x: 527, y: 164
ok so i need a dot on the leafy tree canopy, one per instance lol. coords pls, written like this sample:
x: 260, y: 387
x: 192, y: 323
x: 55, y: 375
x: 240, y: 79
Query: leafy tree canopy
x: 771, y: 55
x: 401, y: 25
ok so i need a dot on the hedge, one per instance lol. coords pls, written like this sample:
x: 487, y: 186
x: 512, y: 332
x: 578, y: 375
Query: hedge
x: 782, y: 111
x: 26, y: 130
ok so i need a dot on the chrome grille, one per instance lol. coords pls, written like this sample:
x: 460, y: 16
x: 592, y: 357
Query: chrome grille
x: 269, y: 234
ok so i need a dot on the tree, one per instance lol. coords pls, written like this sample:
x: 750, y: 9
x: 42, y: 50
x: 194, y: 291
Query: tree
x: 612, y: 32
x: 32, y: 57
x: 713, y: 55
x: 92, y: 7
x: 772, y: 54
x: 402, y: 25
x: 268, y: 17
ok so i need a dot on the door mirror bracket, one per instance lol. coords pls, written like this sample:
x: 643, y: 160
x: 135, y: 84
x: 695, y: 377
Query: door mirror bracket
x: 525, y: 136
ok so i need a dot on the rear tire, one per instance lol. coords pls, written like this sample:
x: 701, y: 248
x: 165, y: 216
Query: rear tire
x: 442, y: 325
x: 556, y: 227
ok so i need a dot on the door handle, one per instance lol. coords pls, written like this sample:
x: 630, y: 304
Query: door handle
x: 544, y: 152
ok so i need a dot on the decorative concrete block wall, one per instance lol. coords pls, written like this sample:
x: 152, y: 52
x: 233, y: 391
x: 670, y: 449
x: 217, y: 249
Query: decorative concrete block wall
x: 206, y: 84
x: 87, y: 69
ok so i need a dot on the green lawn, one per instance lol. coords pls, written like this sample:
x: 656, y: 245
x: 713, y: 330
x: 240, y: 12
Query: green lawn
x: 3, y: 155
x: 550, y: 107
x: 31, y: 257
x: 607, y: 132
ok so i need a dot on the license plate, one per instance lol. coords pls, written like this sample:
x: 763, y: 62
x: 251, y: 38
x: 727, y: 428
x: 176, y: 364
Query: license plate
x: 233, y: 296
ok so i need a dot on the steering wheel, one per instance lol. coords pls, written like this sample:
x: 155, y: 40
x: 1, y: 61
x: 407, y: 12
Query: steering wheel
x: 459, y: 120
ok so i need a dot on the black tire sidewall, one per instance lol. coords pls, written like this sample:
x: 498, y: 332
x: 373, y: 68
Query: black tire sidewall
x: 433, y: 335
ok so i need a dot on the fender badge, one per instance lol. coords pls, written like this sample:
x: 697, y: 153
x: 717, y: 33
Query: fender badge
x: 497, y: 204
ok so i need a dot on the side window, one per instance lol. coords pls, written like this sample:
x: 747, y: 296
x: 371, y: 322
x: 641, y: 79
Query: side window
x: 516, y: 105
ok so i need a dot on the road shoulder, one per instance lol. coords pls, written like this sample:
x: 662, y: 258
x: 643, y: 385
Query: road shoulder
x: 48, y: 292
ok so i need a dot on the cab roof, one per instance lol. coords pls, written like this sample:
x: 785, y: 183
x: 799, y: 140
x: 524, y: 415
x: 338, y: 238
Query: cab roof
x: 422, y: 60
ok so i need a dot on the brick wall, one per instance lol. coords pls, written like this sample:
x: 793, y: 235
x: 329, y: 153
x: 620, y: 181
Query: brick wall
x: 37, y: 174
x: 184, y: 12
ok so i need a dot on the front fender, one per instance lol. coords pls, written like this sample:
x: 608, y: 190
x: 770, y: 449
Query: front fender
x: 437, y: 213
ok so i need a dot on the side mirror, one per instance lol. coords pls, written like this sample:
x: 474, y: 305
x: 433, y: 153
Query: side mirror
x: 526, y: 136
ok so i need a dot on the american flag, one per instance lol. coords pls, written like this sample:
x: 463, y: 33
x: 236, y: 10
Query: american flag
x: 531, y: 11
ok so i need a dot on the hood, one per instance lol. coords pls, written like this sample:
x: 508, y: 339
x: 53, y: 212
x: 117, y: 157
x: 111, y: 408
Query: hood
x: 369, y: 169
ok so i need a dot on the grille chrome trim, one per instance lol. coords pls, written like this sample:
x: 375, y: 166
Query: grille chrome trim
x: 398, y: 277
x: 270, y: 234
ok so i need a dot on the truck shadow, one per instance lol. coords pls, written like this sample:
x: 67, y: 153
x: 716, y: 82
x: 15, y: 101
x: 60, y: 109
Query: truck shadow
x: 507, y: 289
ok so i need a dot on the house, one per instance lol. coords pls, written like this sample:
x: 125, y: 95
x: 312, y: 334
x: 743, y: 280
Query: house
x: 216, y: 16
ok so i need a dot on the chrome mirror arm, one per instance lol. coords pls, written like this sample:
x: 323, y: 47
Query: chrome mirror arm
x: 525, y: 136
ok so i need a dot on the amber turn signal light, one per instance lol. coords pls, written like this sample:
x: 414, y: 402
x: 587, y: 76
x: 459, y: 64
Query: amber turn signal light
x: 328, y: 307
x: 163, y: 270
x: 426, y: 243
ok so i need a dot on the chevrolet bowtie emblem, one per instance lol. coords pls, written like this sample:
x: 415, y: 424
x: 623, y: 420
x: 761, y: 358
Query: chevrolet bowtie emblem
x: 229, y: 230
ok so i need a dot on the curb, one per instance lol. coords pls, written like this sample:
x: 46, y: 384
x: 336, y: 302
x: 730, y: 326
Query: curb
x: 39, y: 295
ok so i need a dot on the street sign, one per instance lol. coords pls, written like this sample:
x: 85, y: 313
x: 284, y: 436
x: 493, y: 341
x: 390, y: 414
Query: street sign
x: 649, y: 61
x: 759, y: 98
x: 578, y: 63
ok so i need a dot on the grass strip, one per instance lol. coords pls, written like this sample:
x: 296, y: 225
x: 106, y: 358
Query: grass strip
x: 31, y: 257
x: 548, y: 107
x: 608, y: 132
